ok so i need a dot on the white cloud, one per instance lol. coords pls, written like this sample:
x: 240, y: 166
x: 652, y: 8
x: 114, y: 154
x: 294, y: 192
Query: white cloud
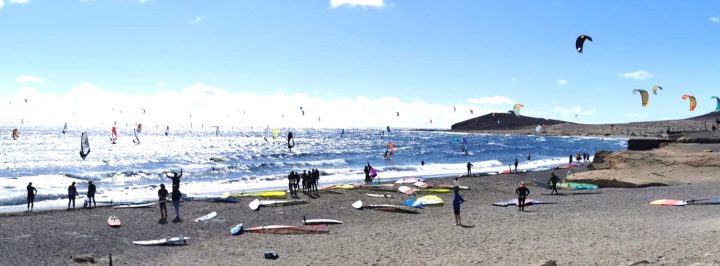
x: 2, y: 3
x: 639, y: 75
x: 19, y: 1
x: 715, y: 19
x: 513, y: 79
x: 491, y: 100
x: 561, y: 82
x: 196, y: 20
x: 635, y: 115
x: 161, y: 84
x: 357, y: 3
x: 29, y: 79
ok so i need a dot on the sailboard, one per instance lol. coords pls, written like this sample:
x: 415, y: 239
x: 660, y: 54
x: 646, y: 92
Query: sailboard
x: 64, y: 128
x: 84, y: 145
x: 275, y: 133
x: 137, y: 139
x: 113, y: 135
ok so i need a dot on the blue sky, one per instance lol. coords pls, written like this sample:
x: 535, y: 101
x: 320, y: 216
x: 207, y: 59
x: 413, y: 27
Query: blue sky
x: 485, y: 55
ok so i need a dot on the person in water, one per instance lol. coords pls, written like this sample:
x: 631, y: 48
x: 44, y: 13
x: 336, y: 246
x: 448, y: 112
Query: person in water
x: 176, y: 203
x: 387, y: 155
x: 529, y: 159
x: 162, y: 197
x: 516, y: 164
x: 91, y: 195
x: 72, y: 193
x: 175, y: 178
x: 31, y: 197
x: 522, y: 193
x: 457, y: 200
x: 554, y: 179
x: 469, y: 168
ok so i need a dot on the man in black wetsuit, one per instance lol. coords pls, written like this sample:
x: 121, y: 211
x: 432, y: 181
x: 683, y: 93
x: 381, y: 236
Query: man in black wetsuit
x: 469, y: 167
x: 522, y: 193
x: 91, y: 195
x: 367, y: 173
x: 72, y: 192
x: 175, y: 178
x: 554, y: 179
x: 516, y: 164
x: 31, y: 196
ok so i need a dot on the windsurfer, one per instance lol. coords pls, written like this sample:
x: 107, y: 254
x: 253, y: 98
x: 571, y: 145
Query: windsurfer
x: 290, y: 141
x: 522, y: 193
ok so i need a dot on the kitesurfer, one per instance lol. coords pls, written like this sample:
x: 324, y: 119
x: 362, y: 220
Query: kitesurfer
x: 469, y: 167
x: 457, y: 200
x: 72, y: 192
x: 554, y: 179
x: 162, y: 197
x: 522, y: 193
x: 31, y: 197
x: 176, y: 203
x: 175, y: 178
x: 91, y: 195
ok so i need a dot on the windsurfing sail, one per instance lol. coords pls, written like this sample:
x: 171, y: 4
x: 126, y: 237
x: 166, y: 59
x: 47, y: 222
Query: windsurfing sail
x: 516, y: 109
x: 276, y: 132
x: 139, y: 128
x: 64, y: 128
x: 137, y: 139
x: 290, y: 140
x: 217, y: 131
x: 464, y: 148
x: 15, y: 134
x: 391, y: 147
x: 373, y: 173
x: 113, y: 135
x: 84, y: 145
x: 538, y: 129
x: 167, y: 130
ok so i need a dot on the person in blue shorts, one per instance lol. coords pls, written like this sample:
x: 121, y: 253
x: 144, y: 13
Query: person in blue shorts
x: 457, y: 200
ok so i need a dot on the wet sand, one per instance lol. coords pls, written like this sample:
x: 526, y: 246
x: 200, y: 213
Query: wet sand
x: 612, y: 226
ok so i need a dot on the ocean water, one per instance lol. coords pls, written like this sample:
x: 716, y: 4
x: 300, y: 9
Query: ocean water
x: 246, y: 161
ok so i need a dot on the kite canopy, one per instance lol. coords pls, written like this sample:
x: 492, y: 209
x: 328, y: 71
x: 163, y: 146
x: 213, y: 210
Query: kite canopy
x: 717, y: 107
x: 643, y: 95
x: 516, y: 109
x: 580, y: 41
x: 693, y: 102
x: 656, y: 88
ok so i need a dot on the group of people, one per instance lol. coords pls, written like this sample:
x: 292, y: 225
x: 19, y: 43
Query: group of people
x: 580, y: 157
x: 72, y: 194
x: 308, y: 179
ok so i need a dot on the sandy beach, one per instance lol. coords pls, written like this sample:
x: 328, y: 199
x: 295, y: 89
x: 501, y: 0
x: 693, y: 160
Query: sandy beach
x: 611, y: 226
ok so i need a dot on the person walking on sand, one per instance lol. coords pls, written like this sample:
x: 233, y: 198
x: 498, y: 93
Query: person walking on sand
x: 522, y: 193
x: 72, y: 192
x: 175, y: 178
x: 516, y: 164
x: 457, y: 200
x: 162, y: 197
x: 469, y: 168
x: 91, y: 195
x: 176, y: 203
x: 554, y: 179
x: 31, y: 197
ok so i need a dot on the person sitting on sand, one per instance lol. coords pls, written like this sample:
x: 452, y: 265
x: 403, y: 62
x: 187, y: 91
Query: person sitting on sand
x: 72, y: 192
x: 457, y: 200
x: 175, y: 178
x: 522, y: 193
x: 469, y: 167
x: 31, y: 197
x: 162, y: 197
x: 91, y: 195
x: 176, y: 203
x: 554, y: 179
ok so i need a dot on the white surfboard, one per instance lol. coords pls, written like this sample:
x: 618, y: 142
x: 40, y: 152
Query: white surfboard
x: 380, y: 195
x: 143, y: 205
x: 178, y: 240
x: 206, y: 217
x: 321, y: 221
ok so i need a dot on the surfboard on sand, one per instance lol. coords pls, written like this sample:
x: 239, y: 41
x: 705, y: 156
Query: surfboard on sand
x: 142, y: 205
x: 384, y: 207
x: 668, y: 202
x: 114, y: 221
x: 290, y: 229
x: 379, y: 195
x: 406, y: 190
x: 321, y: 221
x: 515, y: 202
x: 256, y: 204
x: 178, y: 240
x: 206, y: 217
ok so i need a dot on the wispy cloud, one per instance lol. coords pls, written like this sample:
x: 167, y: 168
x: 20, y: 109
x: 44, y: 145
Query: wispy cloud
x: 161, y: 84
x: 561, y: 82
x: 357, y: 3
x: 715, y: 19
x: 513, y: 79
x: 196, y: 20
x: 639, y: 75
x: 19, y: 1
x: 29, y: 79
x: 2, y: 3
x: 491, y: 100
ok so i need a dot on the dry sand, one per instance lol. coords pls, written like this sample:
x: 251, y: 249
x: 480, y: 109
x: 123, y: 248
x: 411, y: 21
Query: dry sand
x: 613, y: 227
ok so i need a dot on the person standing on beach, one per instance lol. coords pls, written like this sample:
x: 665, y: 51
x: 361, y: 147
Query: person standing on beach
x: 522, y: 193
x: 457, y: 200
x: 554, y: 179
x: 570, y: 159
x: 516, y: 164
x: 72, y: 192
x: 91, y: 195
x: 456, y: 183
x: 176, y: 203
x: 175, y: 178
x: 469, y: 168
x: 31, y: 197
x: 162, y: 196
x: 366, y: 169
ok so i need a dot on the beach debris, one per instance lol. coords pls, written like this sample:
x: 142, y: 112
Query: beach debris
x: 206, y: 217
x: 84, y: 258
x: 271, y: 255
x: 639, y: 263
x: 545, y: 263
x: 236, y: 230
